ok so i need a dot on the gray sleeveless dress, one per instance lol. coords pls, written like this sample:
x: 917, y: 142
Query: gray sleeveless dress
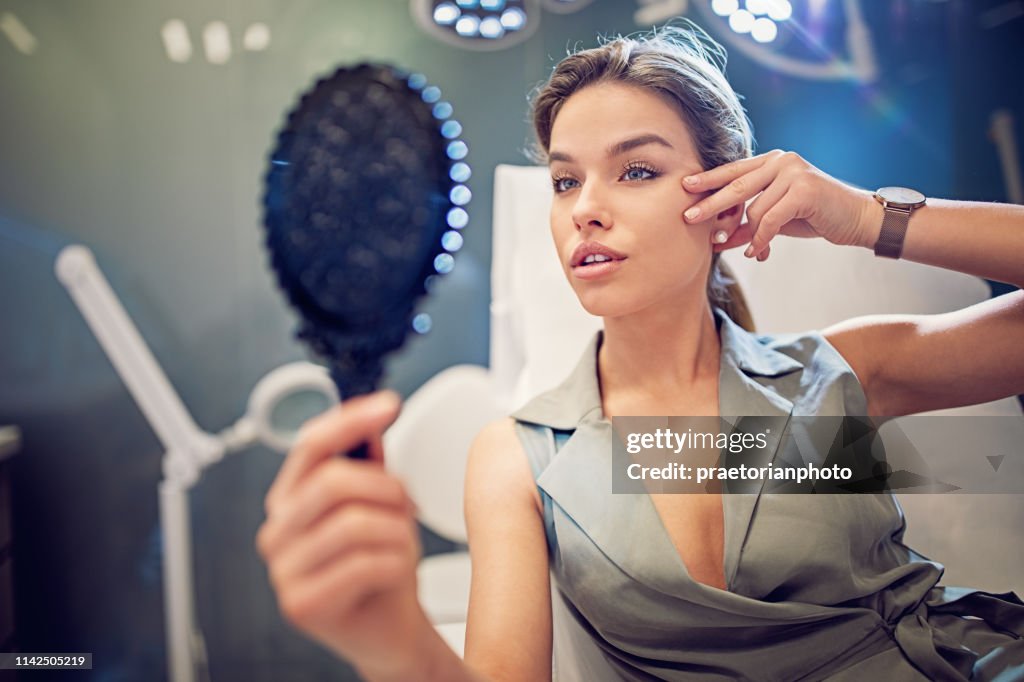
x: 818, y: 586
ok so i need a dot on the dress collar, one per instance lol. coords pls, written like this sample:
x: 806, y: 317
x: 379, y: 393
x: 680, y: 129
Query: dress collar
x: 578, y: 398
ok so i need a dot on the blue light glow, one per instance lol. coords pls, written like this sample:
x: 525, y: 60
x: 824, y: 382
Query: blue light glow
x: 452, y: 129
x: 442, y: 110
x: 422, y: 323
x: 457, y: 218
x: 451, y: 241
x: 444, y: 263
x: 460, y: 195
x: 460, y: 172
x: 431, y: 94
x: 457, y: 150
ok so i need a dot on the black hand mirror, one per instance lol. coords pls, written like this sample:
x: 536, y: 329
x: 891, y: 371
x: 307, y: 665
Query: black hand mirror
x: 363, y: 205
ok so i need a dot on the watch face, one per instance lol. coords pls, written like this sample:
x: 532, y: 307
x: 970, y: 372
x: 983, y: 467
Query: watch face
x: 901, y: 195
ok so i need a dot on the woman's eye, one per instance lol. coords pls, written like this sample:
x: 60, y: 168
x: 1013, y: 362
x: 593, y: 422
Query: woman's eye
x: 638, y: 173
x: 560, y: 184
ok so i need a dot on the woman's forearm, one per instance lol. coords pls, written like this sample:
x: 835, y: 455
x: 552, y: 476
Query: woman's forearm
x: 432, y: 660
x: 983, y: 239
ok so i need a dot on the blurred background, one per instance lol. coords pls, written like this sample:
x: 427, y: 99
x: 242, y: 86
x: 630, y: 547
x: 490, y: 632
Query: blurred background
x: 142, y: 131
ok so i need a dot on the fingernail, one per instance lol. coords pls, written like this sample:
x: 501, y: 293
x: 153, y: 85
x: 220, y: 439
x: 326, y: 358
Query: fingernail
x: 692, y: 213
x: 690, y: 179
x: 749, y: 252
x: 721, y: 237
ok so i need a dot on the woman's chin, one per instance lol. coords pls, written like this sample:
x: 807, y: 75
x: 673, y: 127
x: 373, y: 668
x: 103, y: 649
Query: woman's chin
x: 602, y: 305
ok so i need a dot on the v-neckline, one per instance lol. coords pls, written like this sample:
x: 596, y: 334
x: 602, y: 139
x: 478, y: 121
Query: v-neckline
x: 646, y: 499
x: 578, y: 477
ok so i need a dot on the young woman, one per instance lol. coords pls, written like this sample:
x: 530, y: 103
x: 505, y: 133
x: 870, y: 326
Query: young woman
x: 650, y: 158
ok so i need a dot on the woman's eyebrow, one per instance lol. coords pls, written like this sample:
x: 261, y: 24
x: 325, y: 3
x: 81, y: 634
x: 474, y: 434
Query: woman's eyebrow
x: 619, y: 147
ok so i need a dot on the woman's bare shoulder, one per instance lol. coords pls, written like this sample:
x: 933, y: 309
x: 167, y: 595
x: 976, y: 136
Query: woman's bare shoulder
x: 497, y: 465
x: 499, y: 433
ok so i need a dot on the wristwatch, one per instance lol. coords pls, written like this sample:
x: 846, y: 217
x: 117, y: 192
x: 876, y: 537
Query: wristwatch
x: 899, y: 203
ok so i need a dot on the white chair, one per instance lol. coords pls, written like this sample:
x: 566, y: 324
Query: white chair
x: 427, y: 447
x: 538, y: 330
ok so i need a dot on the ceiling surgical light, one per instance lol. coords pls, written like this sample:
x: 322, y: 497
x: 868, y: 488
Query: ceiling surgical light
x: 513, y: 19
x: 484, y: 24
x: 724, y: 8
x: 468, y: 25
x: 446, y: 14
x: 762, y: 19
x: 764, y: 30
x: 491, y: 27
x: 780, y: 10
x: 741, y: 21
x: 758, y: 7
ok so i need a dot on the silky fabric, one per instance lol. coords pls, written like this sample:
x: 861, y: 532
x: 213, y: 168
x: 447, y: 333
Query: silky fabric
x: 817, y: 586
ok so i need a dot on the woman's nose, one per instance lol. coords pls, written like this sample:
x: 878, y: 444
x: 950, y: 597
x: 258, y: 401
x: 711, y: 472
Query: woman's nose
x: 591, y: 209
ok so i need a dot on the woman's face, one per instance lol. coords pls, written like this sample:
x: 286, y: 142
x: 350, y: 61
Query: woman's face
x: 618, y: 156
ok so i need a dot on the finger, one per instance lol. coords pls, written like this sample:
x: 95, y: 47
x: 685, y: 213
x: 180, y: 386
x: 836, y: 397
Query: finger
x: 735, y: 193
x: 352, y: 528
x: 763, y: 256
x: 334, y: 483
x: 338, y: 429
x: 334, y: 590
x: 771, y: 223
x: 764, y: 201
x: 740, y: 236
x: 726, y: 173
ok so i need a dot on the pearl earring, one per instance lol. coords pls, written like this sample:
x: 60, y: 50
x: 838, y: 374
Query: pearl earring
x: 720, y: 237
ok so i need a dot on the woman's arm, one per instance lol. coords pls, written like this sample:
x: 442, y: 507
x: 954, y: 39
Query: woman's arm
x: 508, y: 633
x: 978, y: 238
x: 508, y: 630
x: 906, y: 363
x: 918, y: 363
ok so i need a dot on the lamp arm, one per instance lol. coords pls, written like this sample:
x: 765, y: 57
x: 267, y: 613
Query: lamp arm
x: 77, y: 270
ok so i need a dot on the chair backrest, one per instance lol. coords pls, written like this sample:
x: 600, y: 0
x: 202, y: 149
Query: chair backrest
x: 426, y: 447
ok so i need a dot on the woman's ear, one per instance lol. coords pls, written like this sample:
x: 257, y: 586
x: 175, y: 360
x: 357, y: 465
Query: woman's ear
x: 729, y: 219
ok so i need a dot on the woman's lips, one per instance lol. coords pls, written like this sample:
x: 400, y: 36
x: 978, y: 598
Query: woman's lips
x: 597, y: 270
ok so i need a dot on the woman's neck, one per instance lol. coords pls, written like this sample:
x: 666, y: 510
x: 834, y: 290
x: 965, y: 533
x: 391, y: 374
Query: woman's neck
x: 658, y: 357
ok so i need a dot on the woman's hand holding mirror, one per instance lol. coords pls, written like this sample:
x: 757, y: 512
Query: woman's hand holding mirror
x: 341, y: 541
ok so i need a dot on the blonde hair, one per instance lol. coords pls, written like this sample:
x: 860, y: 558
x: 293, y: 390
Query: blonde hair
x: 686, y: 67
